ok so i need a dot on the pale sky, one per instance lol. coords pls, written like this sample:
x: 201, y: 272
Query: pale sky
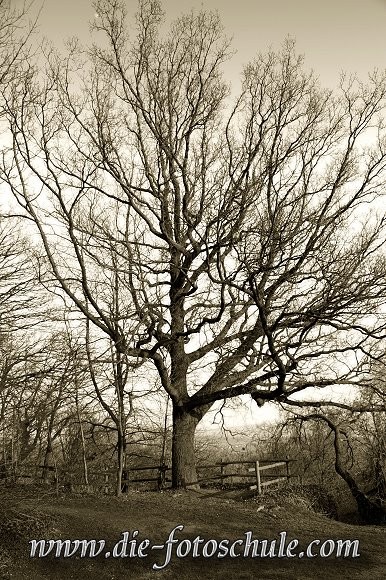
x: 334, y: 35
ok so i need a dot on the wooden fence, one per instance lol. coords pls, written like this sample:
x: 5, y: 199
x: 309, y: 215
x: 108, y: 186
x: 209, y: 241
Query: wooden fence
x: 102, y: 479
x: 252, y: 474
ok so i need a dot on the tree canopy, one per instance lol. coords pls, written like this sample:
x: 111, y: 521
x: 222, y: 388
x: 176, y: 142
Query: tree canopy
x: 233, y: 243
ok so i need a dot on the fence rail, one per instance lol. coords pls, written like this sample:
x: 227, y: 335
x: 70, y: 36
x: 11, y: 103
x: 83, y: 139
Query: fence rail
x: 255, y: 470
x: 252, y: 474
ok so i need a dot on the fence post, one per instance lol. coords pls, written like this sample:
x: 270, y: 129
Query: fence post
x: 222, y: 473
x: 288, y: 470
x: 258, y: 480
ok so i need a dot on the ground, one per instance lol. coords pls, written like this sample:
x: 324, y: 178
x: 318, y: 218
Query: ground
x: 29, y: 514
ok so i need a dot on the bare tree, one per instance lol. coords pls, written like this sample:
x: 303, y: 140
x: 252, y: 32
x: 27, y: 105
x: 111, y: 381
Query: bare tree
x: 23, y: 304
x: 19, y: 297
x: 371, y: 508
x: 36, y: 389
x: 244, y: 232
x: 109, y: 373
x: 15, y: 33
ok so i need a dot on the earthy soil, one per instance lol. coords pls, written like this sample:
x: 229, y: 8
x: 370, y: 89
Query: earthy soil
x: 34, y: 513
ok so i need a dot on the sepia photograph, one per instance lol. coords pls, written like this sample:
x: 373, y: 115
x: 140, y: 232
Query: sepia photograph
x: 192, y: 289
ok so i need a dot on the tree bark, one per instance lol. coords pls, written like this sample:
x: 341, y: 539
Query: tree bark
x: 48, y: 455
x: 370, y: 509
x: 184, y: 472
x: 121, y: 452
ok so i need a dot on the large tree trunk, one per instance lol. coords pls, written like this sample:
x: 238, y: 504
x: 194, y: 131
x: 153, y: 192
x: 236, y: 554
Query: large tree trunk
x: 184, y: 473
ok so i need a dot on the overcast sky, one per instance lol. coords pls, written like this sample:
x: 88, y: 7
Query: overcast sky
x: 334, y: 35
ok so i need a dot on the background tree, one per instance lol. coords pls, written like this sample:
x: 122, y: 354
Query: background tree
x: 371, y: 508
x: 37, y: 378
x: 353, y: 430
x: 19, y: 299
x: 244, y: 231
x: 15, y: 33
x: 23, y: 304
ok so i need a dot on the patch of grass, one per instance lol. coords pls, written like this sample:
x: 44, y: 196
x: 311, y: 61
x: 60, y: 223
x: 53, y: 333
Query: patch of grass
x: 154, y: 515
x: 314, y: 498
